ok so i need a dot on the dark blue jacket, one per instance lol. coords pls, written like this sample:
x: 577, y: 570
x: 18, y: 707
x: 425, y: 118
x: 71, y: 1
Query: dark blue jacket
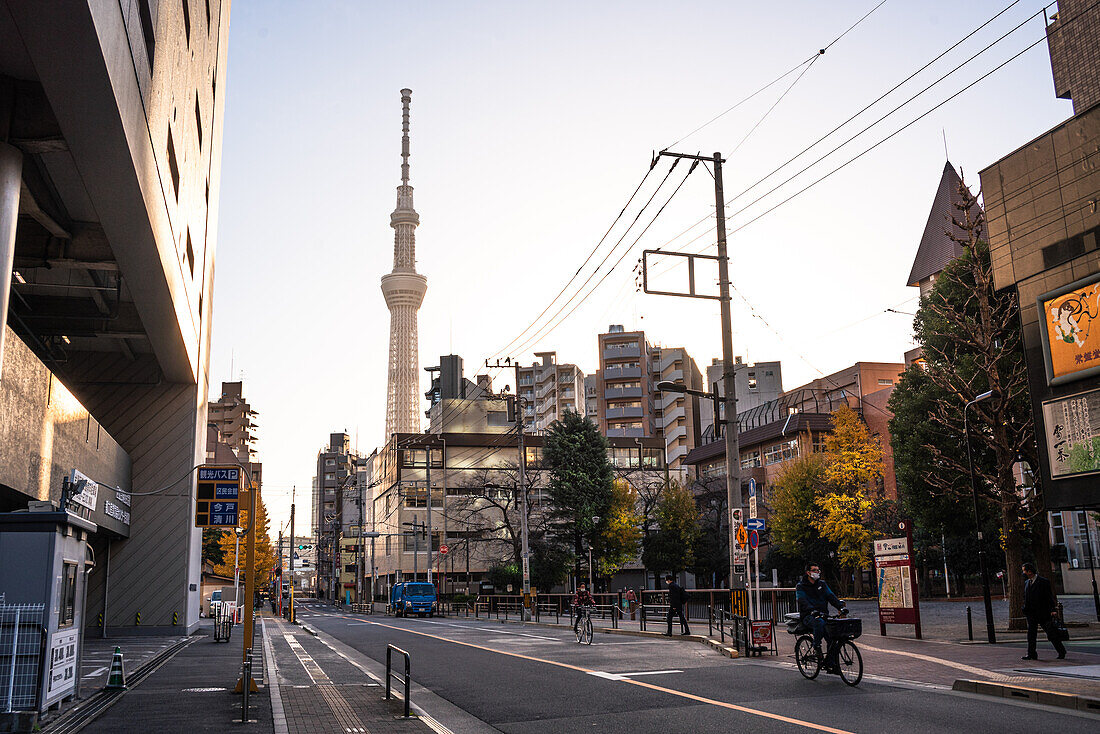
x: 815, y: 596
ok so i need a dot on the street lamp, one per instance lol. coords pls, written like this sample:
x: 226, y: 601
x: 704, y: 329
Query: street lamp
x: 990, y: 632
x: 734, y: 497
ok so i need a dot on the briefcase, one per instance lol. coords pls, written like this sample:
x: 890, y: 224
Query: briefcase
x: 1058, y: 630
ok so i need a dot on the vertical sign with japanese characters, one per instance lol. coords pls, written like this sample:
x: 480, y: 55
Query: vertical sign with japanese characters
x: 217, y: 499
x: 1071, y: 426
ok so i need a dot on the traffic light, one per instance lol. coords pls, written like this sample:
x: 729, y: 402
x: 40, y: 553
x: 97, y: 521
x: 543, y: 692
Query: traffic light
x: 305, y: 547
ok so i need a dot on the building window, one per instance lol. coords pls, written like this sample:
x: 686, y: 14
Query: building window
x: 624, y: 458
x: 330, y: 476
x: 173, y: 165
x: 750, y: 459
x: 330, y: 462
x: 147, y: 31
x: 652, y: 458
x: 68, y: 595
x: 781, y: 452
x: 885, y: 381
x: 715, y: 470
x: 534, y: 456
x: 198, y: 120
x: 752, y: 383
x: 349, y: 568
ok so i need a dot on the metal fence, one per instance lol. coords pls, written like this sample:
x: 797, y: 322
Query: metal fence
x: 20, y: 655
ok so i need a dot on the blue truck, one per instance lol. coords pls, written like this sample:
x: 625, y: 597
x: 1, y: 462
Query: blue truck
x: 413, y: 597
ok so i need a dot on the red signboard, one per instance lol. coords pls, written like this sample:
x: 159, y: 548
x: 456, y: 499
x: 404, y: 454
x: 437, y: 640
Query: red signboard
x: 761, y: 633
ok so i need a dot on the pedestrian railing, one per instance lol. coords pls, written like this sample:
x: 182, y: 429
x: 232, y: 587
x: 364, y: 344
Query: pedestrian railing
x: 391, y: 676
x: 21, y: 644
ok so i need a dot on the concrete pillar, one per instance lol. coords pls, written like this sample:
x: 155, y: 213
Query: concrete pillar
x: 11, y: 176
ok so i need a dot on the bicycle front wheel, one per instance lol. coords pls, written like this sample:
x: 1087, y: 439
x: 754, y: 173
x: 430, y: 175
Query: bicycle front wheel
x: 805, y: 656
x: 850, y: 663
x: 586, y: 631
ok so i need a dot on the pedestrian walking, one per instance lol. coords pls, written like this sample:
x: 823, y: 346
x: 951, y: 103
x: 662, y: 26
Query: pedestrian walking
x: 631, y: 601
x: 677, y: 597
x: 1041, y: 610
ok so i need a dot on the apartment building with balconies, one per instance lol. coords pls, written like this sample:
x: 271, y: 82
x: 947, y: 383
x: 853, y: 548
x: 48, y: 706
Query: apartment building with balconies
x: 679, y: 413
x: 625, y: 386
x: 548, y: 389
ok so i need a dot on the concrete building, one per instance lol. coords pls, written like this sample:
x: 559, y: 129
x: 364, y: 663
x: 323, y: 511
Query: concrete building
x: 625, y: 387
x: 754, y: 384
x: 1043, y: 222
x: 111, y: 117
x: 591, y: 396
x: 404, y: 290
x: 459, y: 405
x: 231, y: 419
x: 679, y: 413
x: 335, y: 480
x: 548, y: 390
x: 473, y: 501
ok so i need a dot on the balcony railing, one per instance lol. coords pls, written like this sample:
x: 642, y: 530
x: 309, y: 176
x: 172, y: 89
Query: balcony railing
x: 617, y: 352
x: 628, y: 412
x: 618, y: 373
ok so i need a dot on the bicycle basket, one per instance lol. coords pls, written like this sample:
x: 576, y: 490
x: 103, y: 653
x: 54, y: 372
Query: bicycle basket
x: 794, y: 624
x: 848, y: 628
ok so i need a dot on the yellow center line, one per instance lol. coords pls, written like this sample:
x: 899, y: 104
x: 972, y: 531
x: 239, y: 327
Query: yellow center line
x: 662, y: 689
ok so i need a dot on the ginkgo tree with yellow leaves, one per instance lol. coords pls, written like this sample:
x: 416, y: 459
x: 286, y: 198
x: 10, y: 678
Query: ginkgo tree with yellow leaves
x: 265, y: 549
x: 828, y: 498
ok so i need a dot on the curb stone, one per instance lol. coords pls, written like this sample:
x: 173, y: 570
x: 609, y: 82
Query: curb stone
x: 1033, y: 695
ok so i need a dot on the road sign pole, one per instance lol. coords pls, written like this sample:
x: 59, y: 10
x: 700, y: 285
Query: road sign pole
x: 249, y: 584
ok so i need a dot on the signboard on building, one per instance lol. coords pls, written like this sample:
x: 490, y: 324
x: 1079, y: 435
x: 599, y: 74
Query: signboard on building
x: 1070, y: 349
x: 1071, y: 427
x: 217, y: 498
x: 62, y: 676
x: 898, y: 601
x: 108, y: 507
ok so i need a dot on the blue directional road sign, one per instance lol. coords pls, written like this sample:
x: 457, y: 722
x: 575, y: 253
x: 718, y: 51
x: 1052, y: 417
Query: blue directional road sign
x: 755, y: 523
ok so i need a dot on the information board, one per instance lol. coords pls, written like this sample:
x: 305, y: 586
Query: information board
x: 62, y: 675
x: 898, y: 600
x: 218, y: 496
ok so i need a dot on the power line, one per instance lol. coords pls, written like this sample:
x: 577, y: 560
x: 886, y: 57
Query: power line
x: 544, y: 332
x: 865, y: 108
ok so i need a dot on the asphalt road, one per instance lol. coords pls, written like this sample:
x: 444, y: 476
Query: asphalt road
x: 535, y: 679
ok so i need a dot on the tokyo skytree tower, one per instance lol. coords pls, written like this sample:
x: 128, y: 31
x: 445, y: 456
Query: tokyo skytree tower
x: 404, y: 291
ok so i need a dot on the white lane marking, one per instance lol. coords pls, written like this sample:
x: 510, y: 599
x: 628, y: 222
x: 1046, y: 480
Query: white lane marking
x: 517, y: 634
x: 608, y: 676
x: 514, y: 641
x: 650, y: 672
x: 94, y: 673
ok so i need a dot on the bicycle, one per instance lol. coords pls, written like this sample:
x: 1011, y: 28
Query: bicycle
x: 584, y: 626
x: 839, y: 633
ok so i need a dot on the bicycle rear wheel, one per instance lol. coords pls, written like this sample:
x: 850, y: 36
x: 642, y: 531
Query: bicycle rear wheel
x: 805, y: 656
x: 850, y: 662
x: 586, y: 631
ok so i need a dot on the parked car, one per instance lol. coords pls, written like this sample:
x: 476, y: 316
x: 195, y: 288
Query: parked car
x: 213, y: 602
x: 413, y: 597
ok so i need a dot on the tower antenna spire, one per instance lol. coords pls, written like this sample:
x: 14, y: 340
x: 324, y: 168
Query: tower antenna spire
x: 406, y: 98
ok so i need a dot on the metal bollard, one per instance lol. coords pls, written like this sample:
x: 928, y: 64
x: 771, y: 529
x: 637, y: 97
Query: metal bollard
x: 969, y: 625
x: 246, y: 687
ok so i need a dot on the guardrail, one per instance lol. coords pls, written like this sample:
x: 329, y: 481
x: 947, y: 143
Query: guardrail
x: 391, y: 676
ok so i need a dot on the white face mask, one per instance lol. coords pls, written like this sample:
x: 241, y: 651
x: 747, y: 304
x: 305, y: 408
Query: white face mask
x: 815, y: 575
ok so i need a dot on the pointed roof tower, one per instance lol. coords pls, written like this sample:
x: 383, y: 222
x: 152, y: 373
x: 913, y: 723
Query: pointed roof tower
x: 936, y: 248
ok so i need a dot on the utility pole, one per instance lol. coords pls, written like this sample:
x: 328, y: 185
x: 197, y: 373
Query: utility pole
x: 734, y: 498
x: 525, y: 551
x: 428, y: 507
x: 360, y: 551
x: 290, y: 570
x: 278, y: 575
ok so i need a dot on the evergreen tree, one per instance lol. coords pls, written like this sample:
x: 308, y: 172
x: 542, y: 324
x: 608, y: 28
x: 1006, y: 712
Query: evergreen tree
x: 970, y: 337
x: 211, y: 546
x: 580, y: 486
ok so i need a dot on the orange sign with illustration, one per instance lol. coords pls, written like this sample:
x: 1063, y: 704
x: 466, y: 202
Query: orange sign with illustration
x: 1069, y: 317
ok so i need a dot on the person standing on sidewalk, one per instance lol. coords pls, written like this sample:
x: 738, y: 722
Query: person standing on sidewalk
x: 631, y: 601
x: 1041, y: 610
x: 677, y: 597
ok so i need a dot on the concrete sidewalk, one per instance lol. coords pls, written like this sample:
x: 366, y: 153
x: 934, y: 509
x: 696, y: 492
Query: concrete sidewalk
x: 315, y: 690
x: 190, y: 692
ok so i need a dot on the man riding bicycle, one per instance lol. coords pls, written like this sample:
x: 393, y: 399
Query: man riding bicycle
x: 582, y: 599
x: 814, y: 597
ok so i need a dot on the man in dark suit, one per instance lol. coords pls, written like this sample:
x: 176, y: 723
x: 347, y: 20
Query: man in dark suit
x: 676, y: 598
x: 1041, y: 610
